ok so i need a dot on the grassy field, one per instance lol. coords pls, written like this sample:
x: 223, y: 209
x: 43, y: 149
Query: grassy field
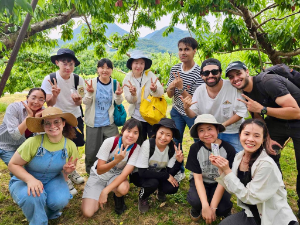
x: 174, y: 211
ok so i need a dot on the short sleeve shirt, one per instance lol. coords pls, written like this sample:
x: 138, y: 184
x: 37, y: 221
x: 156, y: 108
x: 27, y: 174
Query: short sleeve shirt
x: 159, y: 160
x: 30, y: 147
x: 191, y: 80
x: 198, y: 160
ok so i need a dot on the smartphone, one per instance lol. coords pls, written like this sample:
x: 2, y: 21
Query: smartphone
x: 276, y: 148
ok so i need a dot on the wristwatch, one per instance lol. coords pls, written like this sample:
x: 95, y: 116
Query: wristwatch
x: 180, y: 90
x: 263, y: 111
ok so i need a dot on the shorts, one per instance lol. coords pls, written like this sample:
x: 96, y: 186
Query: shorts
x: 79, y: 140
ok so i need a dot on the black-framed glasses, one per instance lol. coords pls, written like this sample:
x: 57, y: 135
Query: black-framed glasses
x: 213, y: 72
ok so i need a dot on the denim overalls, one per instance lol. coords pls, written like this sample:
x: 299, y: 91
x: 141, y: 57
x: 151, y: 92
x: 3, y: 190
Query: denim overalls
x: 47, y: 167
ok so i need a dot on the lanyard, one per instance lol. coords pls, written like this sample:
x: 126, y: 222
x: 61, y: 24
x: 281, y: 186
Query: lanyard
x: 138, y: 80
x: 119, y: 145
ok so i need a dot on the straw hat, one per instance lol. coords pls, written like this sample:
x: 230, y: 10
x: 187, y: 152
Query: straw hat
x: 204, y: 118
x: 137, y: 54
x: 34, y: 124
x: 168, y: 123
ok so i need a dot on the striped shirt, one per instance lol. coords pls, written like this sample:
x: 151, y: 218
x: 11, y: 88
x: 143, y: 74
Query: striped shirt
x: 191, y: 80
x: 10, y: 137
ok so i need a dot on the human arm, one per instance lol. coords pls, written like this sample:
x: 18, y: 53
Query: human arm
x: 187, y: 104
x: 118, y: 95
x: 13, y: 114
x: 232, y: 120
x: 51, y: 89
x: 175, y: 162
x: 156, y: 89
x: 129, y: 90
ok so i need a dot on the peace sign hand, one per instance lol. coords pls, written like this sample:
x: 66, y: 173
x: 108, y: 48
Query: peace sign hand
x: 70, y: 166
x: 187, y: 101
x: 178, y: 83
x: 54, y: 89
x: 153, y: 85
x: 251, y: 105
x: 89, y: 87
x: 132, y: 88
x: 179, y: 155
x: 119, y: 90
x: 120, y: 154
x: 28, y: 110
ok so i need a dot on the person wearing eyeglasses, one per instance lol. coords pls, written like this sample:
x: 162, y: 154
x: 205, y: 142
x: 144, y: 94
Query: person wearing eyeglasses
x: 218, y: 98
x: 13, y: 130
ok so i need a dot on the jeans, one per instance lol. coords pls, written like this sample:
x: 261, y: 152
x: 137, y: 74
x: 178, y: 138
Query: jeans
x: 6, y: 155
x: 232, y: 139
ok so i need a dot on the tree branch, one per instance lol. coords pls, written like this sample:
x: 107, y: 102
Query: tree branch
x: 87, y: 23
x: 293, y: 53
x: 274, y: 5
x: 121, y: 71
x: 287, y: 65
x: 136, y: 6
x: 116, y: 48
x: 273, y: 18
x: 237, y: 50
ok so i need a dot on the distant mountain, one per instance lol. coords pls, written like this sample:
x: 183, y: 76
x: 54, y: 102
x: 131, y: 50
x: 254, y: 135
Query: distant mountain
x: 149, y: 46
x: 148, y: 36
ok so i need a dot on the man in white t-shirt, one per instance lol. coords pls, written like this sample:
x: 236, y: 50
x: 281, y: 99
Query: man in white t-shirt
x: 62, y: 93
x: 220, y: 99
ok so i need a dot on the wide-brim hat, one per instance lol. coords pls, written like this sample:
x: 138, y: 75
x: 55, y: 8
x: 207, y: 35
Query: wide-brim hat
x: 205, y: 118
x: 34, y: 124
x: 65, y: 52
x: 137, y: 54
x: 168, y: 123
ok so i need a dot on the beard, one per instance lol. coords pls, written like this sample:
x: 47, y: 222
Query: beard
x: 212, y: 84
x: 245, y: 84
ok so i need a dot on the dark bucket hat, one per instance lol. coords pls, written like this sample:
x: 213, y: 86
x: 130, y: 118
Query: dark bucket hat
x: 137, y: 54
x: 65, y: 52
x: 168, y: 123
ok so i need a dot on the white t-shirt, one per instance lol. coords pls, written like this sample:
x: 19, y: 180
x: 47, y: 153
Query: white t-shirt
x: 222, y: 107
x: 64, y: 100
x: 158, y: 160
x: 137, y: 115
x: 105, y: 154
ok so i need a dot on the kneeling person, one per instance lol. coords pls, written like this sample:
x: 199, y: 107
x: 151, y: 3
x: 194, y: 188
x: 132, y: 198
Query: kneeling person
x: 205, y: 195
x: 158, y: 162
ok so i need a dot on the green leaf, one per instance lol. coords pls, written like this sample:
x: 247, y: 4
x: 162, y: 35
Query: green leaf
x: 41, y: 3
x: 6, y: 4
x: 25, y: 6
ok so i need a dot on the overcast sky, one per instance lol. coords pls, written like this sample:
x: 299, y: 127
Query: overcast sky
x: 55, y: 33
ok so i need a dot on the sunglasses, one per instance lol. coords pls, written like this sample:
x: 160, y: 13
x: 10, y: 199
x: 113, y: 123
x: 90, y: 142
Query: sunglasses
x: 207, y: 72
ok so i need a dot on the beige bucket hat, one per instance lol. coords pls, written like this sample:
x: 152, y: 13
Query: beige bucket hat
x: 204, y: 118
x: 34, y: 124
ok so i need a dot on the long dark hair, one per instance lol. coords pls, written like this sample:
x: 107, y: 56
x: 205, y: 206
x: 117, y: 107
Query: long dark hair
x: 264, y: 145
x: 131, y: 123
x: 36, y: 89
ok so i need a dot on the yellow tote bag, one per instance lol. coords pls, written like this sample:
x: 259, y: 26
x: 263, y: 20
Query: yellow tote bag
x: 153, y: 109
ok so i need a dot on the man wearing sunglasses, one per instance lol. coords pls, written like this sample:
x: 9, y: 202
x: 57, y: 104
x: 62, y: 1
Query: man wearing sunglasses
x: 220, y: 99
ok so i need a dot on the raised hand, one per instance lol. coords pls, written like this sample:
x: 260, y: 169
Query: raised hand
x: 179, y: 155
x: 187, y: 101
x: 119, y: 90
x: 28, y: 110
x: 132, y: 88
x: 54, y: 89
x: 153, y: 85
x: 252, y: 105
x: 35, y: 187
x: 173, y: 181
x: 89, y: 87
x: 70, y: 166
x: 120, y: 154
x: 178, y: 83
x: 222, y: 164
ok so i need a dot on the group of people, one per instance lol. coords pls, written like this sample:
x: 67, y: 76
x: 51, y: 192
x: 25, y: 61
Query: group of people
x: 230, y: 155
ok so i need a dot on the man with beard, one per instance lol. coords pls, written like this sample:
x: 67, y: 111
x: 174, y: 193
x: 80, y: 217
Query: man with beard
x: 274, y: 99
x: 218, y: 98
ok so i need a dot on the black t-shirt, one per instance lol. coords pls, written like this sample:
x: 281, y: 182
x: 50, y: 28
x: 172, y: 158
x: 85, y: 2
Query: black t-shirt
x: 198, y: 160
x: 271, y: 87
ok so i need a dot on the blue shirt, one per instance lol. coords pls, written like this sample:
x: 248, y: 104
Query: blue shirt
x: 102, y: 103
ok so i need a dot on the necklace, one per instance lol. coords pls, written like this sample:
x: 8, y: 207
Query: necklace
x: 140, y: 82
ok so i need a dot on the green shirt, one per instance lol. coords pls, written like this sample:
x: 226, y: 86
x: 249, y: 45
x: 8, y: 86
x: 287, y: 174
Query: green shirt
x: 29, y: 148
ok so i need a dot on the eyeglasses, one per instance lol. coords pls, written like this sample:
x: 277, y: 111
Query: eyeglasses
x: 56, y: 123
x: 213, y: 72
x: 33, y: 98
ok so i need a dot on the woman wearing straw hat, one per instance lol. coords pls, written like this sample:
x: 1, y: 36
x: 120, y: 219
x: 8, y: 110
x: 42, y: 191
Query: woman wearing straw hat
x: 133, y: 83
x: 206, y: 196
x: 158, y: 162
x: 41, y: 164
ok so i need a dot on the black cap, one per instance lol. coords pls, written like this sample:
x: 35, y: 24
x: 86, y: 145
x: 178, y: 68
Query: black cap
x: 236, y: 65
x: 168, y: 123
x: 66, y: 52
x: 211, y: 61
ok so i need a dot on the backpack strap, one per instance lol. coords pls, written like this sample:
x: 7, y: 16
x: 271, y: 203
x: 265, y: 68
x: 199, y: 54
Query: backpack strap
x: 132, y: 150
x: 114, y: 144
x: 76, y: 80
x: 152, y: 147
x: 115, y: 85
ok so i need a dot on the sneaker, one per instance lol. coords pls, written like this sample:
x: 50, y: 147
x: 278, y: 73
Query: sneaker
x: 195, y: 214
x: 120, y: 206
x: 76, y: 178
x: 179, y: 176
x: 160, y: 196
x: 72, y: 190
x: 143, y: 205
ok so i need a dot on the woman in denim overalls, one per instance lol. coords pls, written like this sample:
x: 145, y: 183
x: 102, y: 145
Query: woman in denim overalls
x: 41, y: 165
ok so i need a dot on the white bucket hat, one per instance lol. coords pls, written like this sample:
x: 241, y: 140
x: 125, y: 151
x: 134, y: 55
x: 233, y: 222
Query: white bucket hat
x: 137, y: 54
x: 205, y: 118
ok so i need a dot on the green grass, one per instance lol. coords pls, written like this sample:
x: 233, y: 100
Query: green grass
x: 3, y: 107
x: 174, y: 211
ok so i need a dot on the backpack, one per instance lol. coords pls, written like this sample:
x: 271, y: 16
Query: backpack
x: 171, y: 151
x: 116, y: 141
x: 76, y: 82
x: 119, y: 111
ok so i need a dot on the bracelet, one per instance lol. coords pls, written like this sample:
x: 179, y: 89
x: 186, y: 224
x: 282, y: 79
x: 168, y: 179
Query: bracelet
x: 213, y: 208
